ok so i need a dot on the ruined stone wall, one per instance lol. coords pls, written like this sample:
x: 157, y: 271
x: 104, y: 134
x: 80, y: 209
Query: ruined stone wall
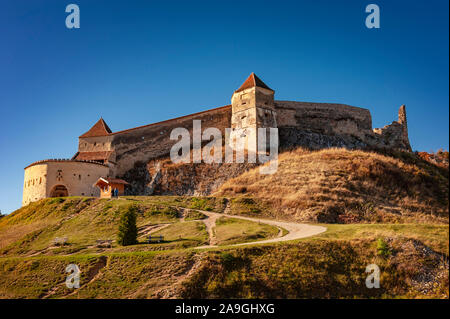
x: 151, y: 141
x: 324, y: 118
x: 322, y: 125
x: 394, y: 135
x: 77, y: 177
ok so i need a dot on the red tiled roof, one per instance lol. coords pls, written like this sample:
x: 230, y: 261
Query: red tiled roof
x: 99, y: 129
x: 253, y: 81
x: 93, y: 156
x: 105, y: 180
x: 116, y: 181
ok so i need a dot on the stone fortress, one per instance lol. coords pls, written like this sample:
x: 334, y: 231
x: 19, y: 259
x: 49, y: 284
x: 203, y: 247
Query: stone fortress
x: 103, y: 153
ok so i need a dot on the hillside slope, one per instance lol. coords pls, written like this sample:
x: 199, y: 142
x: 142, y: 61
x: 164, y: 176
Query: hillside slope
x: 34, y: 229
x: 311, y: 268
x: 339, y: 185
x: 413, y: 257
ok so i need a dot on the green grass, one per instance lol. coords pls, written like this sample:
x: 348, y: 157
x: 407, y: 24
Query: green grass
x: 190, y: 231
x: 434, y: 236
x: 329, y: 265
x: 83, y: 222
x: 111, y: 276
x: 311, y: 269
x: 230, y: 231
x: 317, y: 269
x: 194, y: 215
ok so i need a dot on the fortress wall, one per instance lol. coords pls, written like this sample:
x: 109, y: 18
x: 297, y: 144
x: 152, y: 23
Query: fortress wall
x: 321, y: 125
x: 324, y: 118
x: 34, y: 187
x: 77, y: 177
x: 151, y: 141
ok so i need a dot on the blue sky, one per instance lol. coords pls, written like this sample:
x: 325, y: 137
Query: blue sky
x: 138, y: 62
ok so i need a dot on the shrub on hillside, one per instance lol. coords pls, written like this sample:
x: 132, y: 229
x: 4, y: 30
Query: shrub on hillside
x: 200, y: 203
x: 127, y: 227
x: 382, y: 248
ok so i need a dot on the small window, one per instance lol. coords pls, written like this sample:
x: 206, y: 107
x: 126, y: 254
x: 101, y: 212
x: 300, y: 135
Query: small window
x: 79, y: 177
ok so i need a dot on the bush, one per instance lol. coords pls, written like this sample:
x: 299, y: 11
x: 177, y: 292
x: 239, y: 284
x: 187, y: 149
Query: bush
x: 200, y: 203
x: 382, y: 248
x: 194, y: 215
x: 127, y: 227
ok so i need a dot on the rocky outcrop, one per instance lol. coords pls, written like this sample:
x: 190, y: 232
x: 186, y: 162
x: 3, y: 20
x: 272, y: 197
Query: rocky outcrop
x: 192, y: 179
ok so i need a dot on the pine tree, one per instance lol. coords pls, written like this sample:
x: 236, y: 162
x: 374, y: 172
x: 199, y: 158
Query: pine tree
x: 127, y: 227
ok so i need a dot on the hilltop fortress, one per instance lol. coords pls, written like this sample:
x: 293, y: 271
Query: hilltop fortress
x: 103, y: 153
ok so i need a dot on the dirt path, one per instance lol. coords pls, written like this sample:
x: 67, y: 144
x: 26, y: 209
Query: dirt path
x: 295, y: 230
x: 210, y: 223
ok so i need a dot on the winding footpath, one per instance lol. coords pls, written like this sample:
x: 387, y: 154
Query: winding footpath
x: 296, y: 230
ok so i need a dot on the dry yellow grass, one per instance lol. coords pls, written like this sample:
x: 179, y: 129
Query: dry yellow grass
x: 339, y: 185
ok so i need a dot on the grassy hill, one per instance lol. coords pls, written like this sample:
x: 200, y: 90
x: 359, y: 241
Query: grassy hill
x: 338, y: 185
x: 388, y: 210
x: 331, y: 265
x: 32, y: 230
